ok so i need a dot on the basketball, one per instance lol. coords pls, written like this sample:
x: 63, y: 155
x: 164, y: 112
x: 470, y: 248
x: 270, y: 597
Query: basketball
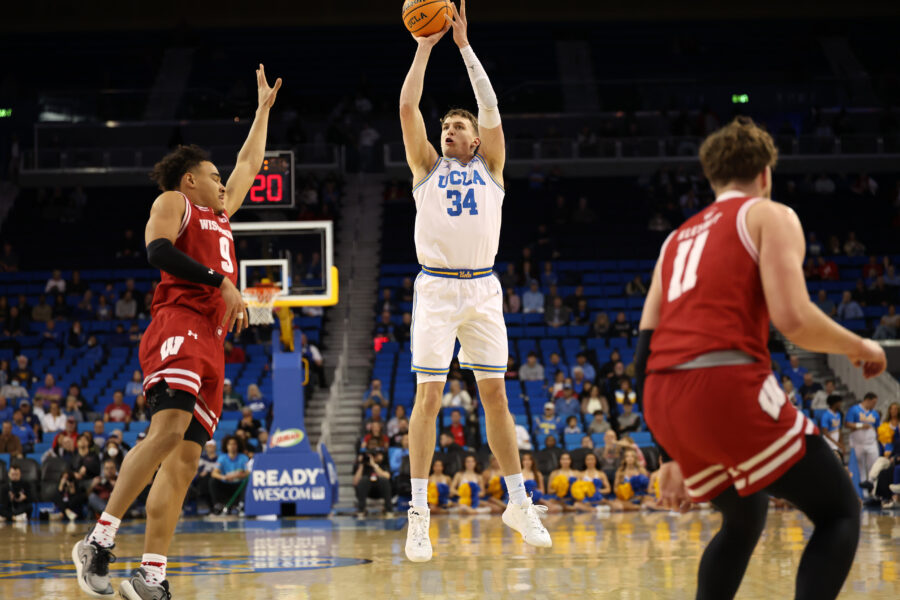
x: 425, y: 17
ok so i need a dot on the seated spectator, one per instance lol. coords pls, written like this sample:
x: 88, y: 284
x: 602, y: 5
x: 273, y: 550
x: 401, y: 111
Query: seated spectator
x: 576, y: 297
x: 104, y: 310
x: 53, y: 421
x: 628, y: 420
x: 523, y: 438
x: 849, y: 308
x: 620, y: 328
x: 234, y: 354
x: 558, y: 315
x: 457, y: 396
x: 86, y: 463
x: 92, y: 351
x: 533, y: 299
x: 827, y: 269
x: 385, y: 329
x: 48, y: 391
x: 572, y: 425
x: 9, y: 441
x: 99, y: 434
x: 599, y: 424
x: 582, y: 314
x: 610, y: 456
x: 102, y: 487
x: 402, y: 432
x: 14, y: 393
x: 231, y: 400
x: 550, y: 297
x: 873, y: 268
x: 375, y: 395
x: 70, y: 430
x: 879, y: 294
x: 548, y: 423
x: 260, y: 405
x: 42, y: 312
x: 229, y: 472
x: 372, y: 479
x: 6, y: 411
x: 532, y: 370
x: 14, y: 324
x: 199, y: 490
x: 393, y: 425
x: 457, y: 429
x: 15, y: 497
x: 77, y: 286
x: 135, y: 387
x: 64, y: 449
x: 450, y: 453
x: 126, y: 307
x: 76, y: 337
x: 509, y: 278
x: 590, y: 374
x: 56, y: 284
x: 891, y: 277
x: 594, y: 401
x: 601, y: 326
x: 795, y: 371
x: 85, y: 309
x: 61, y: 310
x: 888, y: 326
x: 50, y: 336
x: 141, y: 411
x: 375, y: 416
x: 636, y: 287
x: 556, y: 365
x: 512, y: 369
x: 861, y: 292
x: 614, y: 380
x: 820, y: 398
x: 387, y: 303
x: 853, y: 247
x: 117, y: 411
x: 23, y: 431
x: 788, y: 386
x: 407, y: 290
x: 548, y: 277
x: 119, y: 337
x: 512, y: 302
x: 625, y: 394
x: 578, y: 380
x: 403, y: 330
x: 810, y: 270
x: 249, y: 423
x: 21, y: 372
x: 376, y: 434
x: 825, y: 304
x: 808, y: 390
x: 70, y: 497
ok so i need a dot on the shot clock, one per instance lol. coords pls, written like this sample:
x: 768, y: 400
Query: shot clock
x: 273, y: 186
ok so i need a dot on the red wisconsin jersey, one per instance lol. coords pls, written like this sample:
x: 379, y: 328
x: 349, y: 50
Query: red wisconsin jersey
x: 712, y: 295
x: 206, y: 237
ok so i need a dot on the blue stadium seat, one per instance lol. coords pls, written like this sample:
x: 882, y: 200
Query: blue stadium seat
x: 573, y: 440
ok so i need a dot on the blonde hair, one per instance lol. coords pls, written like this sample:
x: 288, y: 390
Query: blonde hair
x: 461, y: 112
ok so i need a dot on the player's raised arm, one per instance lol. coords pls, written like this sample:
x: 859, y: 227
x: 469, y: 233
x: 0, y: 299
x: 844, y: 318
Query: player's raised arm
x: 779, y: 237
x: 251, y: 156
x: 490, y: 130
x: 420, y: 154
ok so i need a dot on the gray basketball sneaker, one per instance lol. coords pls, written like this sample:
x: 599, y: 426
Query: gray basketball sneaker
x: 137, y: 588
x: 92, y: 565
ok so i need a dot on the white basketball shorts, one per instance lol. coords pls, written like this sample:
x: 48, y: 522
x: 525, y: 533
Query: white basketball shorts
x: 471, y: 310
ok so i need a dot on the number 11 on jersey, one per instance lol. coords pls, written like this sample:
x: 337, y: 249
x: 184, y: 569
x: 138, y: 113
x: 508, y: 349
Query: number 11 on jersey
x: 684, y: 271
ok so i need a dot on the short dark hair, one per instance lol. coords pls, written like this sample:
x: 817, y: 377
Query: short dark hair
x: 465, y: 114
x: 740, y: 151
x: 834, y: 399
x: 870, y: 396
x: 532, y: 353
x: 167, y: 172
x: 830, y: 379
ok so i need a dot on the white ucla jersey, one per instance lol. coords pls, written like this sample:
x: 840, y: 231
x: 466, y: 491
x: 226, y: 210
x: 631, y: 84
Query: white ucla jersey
x: 458, y: 214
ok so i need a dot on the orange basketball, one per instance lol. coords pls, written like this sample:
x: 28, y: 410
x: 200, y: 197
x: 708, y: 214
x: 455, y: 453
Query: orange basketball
x: 424, y: 17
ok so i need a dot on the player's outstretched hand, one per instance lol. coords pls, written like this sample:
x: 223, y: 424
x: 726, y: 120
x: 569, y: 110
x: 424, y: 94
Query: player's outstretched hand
x: 429, y: 41
x: 673, y: 494
x: 870, y: 356
x: 235, y: 308
x: 266, y: 94
x: 460, y: 24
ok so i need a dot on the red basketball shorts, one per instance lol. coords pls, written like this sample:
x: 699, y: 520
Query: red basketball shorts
x: 725, y: 426
x: 186, y: 351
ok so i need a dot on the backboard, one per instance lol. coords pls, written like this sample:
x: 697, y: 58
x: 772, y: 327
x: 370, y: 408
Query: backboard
x: 297, y: 256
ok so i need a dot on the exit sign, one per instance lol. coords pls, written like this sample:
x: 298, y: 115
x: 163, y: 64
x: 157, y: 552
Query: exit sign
x: 5, y: 112
x: 740, y: 98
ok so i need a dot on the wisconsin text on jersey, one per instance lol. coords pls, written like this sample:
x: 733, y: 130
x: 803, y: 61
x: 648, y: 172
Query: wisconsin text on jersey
x: 210, y: 225
x: 710, y: 219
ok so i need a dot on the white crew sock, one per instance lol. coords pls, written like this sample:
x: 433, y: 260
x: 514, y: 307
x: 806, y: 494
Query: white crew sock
x: 104, y: 532
x: 419, y: 493
x: 515, y: 485
x: 154, y: 566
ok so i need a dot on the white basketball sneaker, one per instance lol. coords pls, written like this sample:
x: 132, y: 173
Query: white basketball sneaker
x: 526, y: 519
x: 418, y: 544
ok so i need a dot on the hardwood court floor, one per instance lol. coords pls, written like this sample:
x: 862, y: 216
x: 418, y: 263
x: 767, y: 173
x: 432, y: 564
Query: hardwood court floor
x: 628, y: 557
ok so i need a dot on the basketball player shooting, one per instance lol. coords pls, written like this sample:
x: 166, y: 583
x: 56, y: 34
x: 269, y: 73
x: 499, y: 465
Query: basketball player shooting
x: 459, y: 199
x: 195, y: 305
x: 710, y: 397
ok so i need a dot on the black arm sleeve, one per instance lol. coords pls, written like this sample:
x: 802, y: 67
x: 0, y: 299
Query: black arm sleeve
x: 166, y: 257
x: 641, y: 354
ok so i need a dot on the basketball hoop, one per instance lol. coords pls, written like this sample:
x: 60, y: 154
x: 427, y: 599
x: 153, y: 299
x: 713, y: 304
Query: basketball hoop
x: 260, y: 301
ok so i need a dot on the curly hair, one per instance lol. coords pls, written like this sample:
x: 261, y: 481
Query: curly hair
x: 167, y: 172
x: 740, y: 151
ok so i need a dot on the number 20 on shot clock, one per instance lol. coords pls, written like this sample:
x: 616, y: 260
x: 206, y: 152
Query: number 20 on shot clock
x: 273, y: 186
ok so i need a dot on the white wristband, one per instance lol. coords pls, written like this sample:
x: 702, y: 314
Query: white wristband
x: 488, y: 115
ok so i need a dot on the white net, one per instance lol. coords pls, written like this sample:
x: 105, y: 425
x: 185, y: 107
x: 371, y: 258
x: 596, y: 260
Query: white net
x: 260, y: 301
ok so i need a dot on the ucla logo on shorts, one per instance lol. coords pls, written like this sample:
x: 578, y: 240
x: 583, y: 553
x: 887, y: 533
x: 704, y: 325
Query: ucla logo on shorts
x: 460, y: 178
x: 466, y: 274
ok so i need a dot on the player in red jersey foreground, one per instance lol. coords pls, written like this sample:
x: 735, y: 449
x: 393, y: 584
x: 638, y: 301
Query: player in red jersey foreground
x: 710, y: 397
x: 195, y: 305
